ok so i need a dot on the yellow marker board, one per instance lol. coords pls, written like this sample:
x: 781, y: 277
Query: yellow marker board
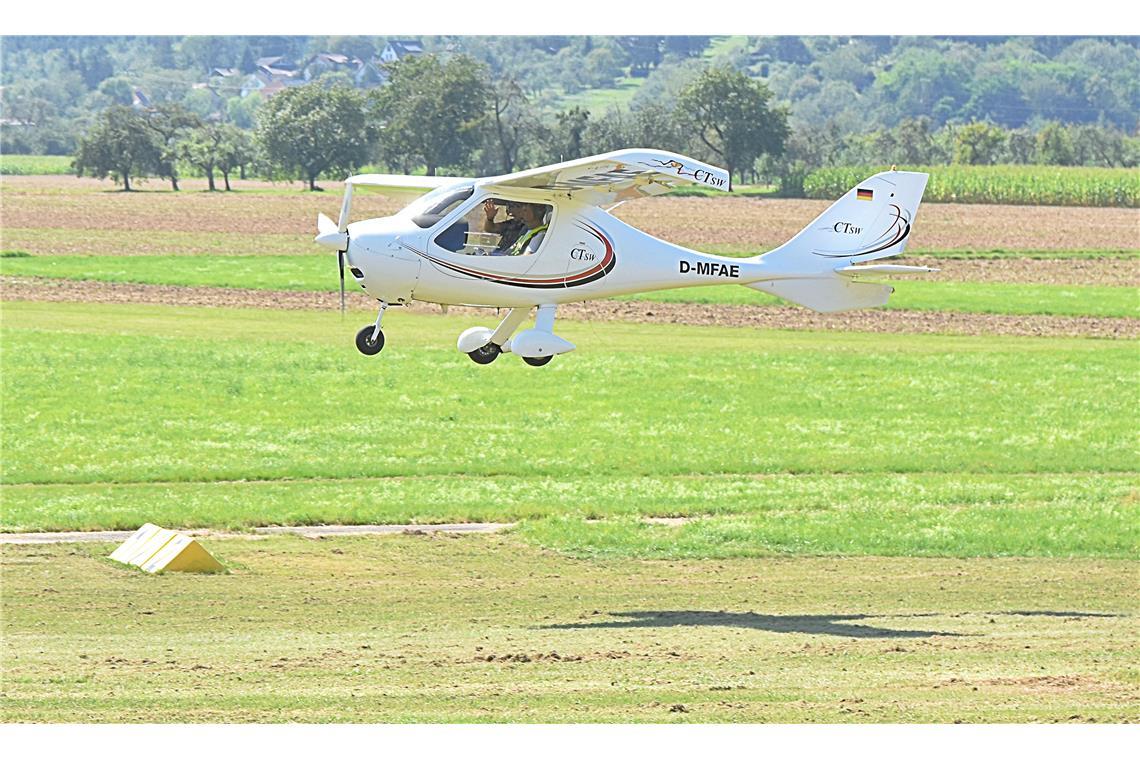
x: 156, y: 549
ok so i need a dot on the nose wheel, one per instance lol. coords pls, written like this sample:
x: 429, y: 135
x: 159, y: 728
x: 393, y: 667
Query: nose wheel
x: 370, y: 339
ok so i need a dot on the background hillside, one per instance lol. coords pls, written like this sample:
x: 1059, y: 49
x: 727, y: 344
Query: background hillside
x: 52, y: 86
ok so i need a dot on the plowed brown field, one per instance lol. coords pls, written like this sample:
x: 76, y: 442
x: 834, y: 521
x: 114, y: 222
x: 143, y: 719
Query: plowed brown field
x: 736, y: 223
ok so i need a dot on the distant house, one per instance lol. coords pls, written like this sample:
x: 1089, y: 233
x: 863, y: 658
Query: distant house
x: 369, y: 74
x: 277, y: 63
x: 323, y: 63
x: 224, y: 73
x: 268, y: 81
x: 397, y: 50
x: 139, y: 100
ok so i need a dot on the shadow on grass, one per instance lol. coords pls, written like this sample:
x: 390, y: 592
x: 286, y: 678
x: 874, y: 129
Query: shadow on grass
x: 831, y: 625
x: 1059, y: 613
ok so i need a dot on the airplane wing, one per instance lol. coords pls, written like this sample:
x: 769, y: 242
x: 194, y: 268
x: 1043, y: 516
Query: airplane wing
x: 404, y: 182
x: 617, y: 176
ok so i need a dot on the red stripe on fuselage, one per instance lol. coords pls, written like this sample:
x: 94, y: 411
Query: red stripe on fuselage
x: 565, y: 280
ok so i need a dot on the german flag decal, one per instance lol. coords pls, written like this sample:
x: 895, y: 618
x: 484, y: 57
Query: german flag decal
x: 864, y: 194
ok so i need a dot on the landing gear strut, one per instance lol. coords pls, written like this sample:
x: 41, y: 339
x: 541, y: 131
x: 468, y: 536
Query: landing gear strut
x: 370, y: 339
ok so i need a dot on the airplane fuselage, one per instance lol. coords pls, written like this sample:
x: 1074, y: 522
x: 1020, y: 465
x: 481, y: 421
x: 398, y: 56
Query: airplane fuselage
x: 587, y: 253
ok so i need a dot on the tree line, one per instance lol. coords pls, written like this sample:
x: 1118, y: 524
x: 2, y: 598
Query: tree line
x: 453, y: 115
x: 434, y: 114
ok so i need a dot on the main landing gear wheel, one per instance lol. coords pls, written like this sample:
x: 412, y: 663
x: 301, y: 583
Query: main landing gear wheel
x: 485, y: 354
x: 537, y: 361
x: 364, y: 342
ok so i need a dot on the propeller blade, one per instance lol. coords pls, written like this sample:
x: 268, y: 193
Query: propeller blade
x: 340, y: 260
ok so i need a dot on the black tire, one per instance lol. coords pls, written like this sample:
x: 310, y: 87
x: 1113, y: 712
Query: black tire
x: 486, y: 354
x: 364, y: 342
x: 537, y: 361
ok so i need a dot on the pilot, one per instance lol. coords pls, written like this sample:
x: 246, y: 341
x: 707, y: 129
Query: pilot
x: 508, y: 230
x: 531, y: 215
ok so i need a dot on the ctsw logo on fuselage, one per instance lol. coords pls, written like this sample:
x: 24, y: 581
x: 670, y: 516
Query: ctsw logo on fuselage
x: 710, y: 268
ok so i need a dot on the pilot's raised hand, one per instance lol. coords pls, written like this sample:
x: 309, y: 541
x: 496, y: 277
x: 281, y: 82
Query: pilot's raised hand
x: 490, y: 209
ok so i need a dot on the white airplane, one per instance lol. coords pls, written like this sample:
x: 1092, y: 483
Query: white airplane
x: 544, y: 237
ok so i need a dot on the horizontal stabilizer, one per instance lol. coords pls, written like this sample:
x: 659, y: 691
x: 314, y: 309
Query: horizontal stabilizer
x: 827, y: 292
x: 883, y: 269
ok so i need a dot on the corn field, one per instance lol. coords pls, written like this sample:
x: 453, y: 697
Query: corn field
x: 12, y: 164
x: 1019, y: 185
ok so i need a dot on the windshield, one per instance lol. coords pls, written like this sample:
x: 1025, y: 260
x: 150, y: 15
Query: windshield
x: 429, y: 209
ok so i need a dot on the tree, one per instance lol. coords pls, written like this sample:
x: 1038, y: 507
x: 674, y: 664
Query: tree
x: 731, y: 118
x: 570, y: 131
x: 310, y: 130
x: 201, y: 148
x: 1054, y: 147
x: 95, y: 66
x: 236, y: 151
x: 119, y: 145
x: 215, y: 146
x: 169, y: 123
x: 433, y: 111
x: 978, y: 143
x: 510, y: 119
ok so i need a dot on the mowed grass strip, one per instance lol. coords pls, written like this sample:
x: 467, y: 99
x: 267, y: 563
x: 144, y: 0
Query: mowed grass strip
x: 720, y: 515
x: 318, y: 273
x: 487, y: 628
x: 97, y: 394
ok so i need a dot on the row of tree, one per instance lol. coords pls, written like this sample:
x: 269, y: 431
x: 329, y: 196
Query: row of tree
x: 440, y: 114
x: 127, y: 143
x: 452, y: 115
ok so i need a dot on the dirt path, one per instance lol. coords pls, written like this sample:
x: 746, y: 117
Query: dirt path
x: 308, y: 531
x: 765, y: 317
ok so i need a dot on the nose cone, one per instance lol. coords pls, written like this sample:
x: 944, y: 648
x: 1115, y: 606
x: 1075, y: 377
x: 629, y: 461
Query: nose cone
x: 328, y: 234
x: 336, y: 240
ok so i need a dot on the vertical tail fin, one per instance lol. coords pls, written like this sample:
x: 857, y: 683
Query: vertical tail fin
x: 871, y: 221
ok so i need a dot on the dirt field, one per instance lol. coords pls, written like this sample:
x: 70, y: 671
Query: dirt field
x: 765, y: 317
x: 484, y: 628
x: 732, y: 222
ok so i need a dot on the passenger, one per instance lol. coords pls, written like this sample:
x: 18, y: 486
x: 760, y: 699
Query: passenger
x: 531, y: 215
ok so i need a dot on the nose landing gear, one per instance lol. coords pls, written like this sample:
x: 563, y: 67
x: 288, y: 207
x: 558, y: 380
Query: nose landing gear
x: 370, y: 339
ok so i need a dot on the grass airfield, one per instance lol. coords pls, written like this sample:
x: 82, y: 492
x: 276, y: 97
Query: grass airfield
x: 976, y: 561
x: 712, y: 523
x: 491, y: 628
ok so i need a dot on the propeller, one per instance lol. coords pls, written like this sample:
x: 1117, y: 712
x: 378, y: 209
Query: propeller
x: 329, y: 235
x: 335, y: 235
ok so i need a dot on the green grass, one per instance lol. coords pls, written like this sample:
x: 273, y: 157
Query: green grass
x: 970, y: 297
x: 318, y: 273
x: 790, y: 442
x: 599, y: 100
x: 29, y: 165
x: 490, y: 629
x: 917, y: 514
